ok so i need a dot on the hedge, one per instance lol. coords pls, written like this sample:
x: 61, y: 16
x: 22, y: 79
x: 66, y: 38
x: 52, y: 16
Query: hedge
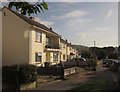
x: 115, y: 67
x: 19, y: 74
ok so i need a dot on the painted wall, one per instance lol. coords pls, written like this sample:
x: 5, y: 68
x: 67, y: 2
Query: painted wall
x: 35, y: 47
x: 0, y: 38
x: 15, y: 39
x: 63, y: 50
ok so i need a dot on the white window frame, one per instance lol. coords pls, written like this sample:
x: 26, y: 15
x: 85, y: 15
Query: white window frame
x: 38, y: 37
x: 55, y: 58
x: 38, y: 54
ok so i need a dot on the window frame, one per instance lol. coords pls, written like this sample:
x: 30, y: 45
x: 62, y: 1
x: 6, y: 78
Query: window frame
x: 38, y: 55
x: 55, y: 58
x: 38, y: 37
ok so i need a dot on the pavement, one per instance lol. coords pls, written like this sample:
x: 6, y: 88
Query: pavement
x: 84, y: 76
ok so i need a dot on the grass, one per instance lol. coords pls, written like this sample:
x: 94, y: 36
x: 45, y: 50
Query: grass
x: 96, y: 86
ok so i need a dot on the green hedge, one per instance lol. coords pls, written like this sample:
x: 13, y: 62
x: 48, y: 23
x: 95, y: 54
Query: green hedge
x: 115, y: 67
x: 19, y: 74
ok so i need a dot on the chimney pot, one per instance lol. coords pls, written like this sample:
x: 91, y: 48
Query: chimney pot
x: 51, y: 28
x: 32, y: 18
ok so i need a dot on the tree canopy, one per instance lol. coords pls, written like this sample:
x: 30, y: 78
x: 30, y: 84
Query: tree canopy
x: 29, y: 8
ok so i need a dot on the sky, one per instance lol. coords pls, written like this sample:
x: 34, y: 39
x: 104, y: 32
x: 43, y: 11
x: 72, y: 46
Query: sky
x: 82, y: 23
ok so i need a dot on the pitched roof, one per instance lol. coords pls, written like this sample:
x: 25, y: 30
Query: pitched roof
x: 32, y: 22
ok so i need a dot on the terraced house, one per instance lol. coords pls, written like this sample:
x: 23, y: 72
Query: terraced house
x: 26, y: 41
x: 68, y: 52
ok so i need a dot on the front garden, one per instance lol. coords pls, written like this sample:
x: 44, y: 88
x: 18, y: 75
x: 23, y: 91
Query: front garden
x: 18, y: 77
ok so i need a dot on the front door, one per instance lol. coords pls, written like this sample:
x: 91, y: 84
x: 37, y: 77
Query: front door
x: 47, y: 57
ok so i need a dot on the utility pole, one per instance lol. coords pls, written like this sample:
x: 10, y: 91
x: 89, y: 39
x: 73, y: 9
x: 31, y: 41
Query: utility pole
x: 94, y: 43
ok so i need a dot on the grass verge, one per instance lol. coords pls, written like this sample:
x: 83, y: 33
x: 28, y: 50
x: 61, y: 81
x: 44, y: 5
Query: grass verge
x: 96, y: 86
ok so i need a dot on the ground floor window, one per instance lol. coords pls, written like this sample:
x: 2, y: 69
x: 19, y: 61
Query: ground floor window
x: 38, y: 57
x: 55, y: 56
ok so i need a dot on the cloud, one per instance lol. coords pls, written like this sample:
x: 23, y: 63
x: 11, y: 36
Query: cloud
x: 82, y: 0
x: 74, y: 14
x: 71, y: 15
x: 100, y: 29
x: 47, y: 23
x: 108, y: 14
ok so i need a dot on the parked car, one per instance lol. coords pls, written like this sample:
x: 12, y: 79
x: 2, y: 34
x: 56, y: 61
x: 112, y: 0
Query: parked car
x: 82, y: 59
x: 109, y: 62
x: 115, y: 61
x: 81, y: 62
x: 104, y: 61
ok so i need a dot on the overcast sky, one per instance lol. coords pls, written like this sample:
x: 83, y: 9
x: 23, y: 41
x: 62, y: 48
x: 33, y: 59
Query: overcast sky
x: 83, y: 22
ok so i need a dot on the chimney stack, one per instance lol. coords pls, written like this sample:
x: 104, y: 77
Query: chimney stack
x: 32, y: 18
x: 51, y: 28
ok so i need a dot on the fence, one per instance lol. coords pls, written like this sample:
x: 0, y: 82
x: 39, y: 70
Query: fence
x: 57, y: 71
x: 77, y: 63
x: 46, y: 71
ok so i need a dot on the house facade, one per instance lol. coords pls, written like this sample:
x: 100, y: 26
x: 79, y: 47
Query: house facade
x: 25, y: 41
x: 0, y: 38
x: 63, y: 47
x: 68, y: 52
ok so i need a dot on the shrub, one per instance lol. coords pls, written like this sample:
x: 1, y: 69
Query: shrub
x: 9, y: 74
x: 115, y: 67
x: 119, y: 79
x: 27, y: 73
x: 19, y: 73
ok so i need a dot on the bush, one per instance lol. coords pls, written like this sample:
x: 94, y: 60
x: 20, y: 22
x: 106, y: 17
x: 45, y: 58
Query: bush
x: 19, y: 74
x: 27, y: 73
x: 115, y: 67
x: 119, y: 79
x: 9, y: 74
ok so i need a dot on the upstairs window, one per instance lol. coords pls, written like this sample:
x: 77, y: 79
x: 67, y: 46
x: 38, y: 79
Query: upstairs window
x: 48, y: 41
x: 38, y: 37
x: 63, y: 45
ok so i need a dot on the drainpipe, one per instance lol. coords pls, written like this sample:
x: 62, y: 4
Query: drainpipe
x: 30, y: 47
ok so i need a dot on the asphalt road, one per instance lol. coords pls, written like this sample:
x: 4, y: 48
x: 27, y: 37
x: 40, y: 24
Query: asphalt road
x: 76, y: 80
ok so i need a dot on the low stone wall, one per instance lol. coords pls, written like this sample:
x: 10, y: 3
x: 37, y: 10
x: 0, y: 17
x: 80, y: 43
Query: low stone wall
x: 69, y: 71
x: 28, y: 86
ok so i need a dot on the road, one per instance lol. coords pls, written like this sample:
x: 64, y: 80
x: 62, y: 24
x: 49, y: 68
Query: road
x: 76, y: 80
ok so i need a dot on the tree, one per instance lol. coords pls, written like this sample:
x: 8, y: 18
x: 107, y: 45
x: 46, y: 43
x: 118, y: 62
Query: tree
x: 113, y: 55
x: 99, y: 52
x: 29, y: 8
x: 93, y: 63
x: 86, y: 53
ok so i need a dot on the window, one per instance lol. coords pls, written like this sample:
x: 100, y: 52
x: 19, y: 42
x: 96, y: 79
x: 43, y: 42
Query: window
x: 48, y: 41
x: 63, y: 56
x: 60, y: 46
x: 55, y: 56
x: 63, y: 45
x: 38, y: 57
x: 38, y: 36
